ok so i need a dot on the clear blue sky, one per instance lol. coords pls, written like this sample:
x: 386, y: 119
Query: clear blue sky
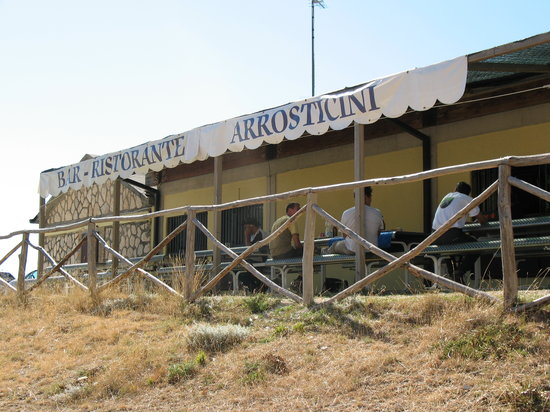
x: 98, y: 76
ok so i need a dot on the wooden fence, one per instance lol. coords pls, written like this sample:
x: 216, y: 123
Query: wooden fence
x: 311, y: 210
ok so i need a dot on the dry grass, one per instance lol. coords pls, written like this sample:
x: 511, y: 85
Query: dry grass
x: 374, y: 353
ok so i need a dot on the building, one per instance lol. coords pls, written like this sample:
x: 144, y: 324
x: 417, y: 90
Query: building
x: 503, y: 109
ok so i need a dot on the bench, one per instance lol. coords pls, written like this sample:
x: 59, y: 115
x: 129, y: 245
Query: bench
x: 530, y: 246
x: 526, y: 227
x: 284, y: 267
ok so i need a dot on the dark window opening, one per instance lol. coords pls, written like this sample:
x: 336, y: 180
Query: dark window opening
x: 232, y: 223
x: 523, y: 204
x: 176, y: 247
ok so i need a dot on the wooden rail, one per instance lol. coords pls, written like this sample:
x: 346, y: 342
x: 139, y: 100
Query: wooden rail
x: 310, y: 210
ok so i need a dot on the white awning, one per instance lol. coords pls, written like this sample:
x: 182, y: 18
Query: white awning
x: 390, y: 96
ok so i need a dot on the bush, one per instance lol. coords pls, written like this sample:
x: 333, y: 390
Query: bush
x: 215, y: 338
x: 181, y: 371
x: 257, y: 303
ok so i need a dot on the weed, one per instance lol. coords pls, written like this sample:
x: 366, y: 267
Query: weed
x: 491, y: 341
x: 200, y: 359
x: 299, y: 327
x: 54, y: 389
x: 181, y: 371
x: 215, y: 338
x: 253, y: 373
x: 256, y: 371
x: 257, y: 303
x: 528, y: 400
x: 281, y: 330
x: 275, y: 364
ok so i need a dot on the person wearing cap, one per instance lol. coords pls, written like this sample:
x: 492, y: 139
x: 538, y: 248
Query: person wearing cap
x: 448, y: 207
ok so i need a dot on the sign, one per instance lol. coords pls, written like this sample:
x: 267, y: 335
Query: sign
x: 390, y: 96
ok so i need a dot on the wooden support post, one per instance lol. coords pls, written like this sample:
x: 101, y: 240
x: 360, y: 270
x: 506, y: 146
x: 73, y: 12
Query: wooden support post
x: 271, y: 206
x: 91, y: 254
x: 22, y: 267
x: 508, y: 258
x: 309, y: 249
x: 115, y: 241
x: 41, y: 236
x: 359, y: 174
x: 189, y: 255
x: 217, y: 257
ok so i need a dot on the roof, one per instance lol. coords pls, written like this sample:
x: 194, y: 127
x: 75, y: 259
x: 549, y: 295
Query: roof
x: 521, y: 59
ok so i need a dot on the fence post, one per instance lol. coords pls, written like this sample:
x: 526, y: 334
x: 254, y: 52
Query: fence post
x: 91, y: 254
x: 218, y: 185
x: 115, y: 239
x: 508, y: 258
x: 189, y: 255
x: 309, y: 249
x: 41, y: 236
x: 359, y: 174
x: 22, y: 266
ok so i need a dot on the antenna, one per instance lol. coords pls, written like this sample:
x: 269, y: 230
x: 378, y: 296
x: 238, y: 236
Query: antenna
x: 322, y: 4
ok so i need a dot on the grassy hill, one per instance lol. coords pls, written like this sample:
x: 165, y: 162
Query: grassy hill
x: 378, y: 353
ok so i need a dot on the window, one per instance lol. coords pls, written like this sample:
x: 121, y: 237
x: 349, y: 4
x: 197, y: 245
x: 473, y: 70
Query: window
x: 232, y: 223
x: 177, y: 245
x: 523, y: 204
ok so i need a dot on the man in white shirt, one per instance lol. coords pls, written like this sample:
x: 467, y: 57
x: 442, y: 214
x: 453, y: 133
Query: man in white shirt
x: 374, y: 224
x: 449, y: 206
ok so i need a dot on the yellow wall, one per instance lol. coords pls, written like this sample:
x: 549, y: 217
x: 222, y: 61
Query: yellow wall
x: 521, y: 141
x: 400, y: 204
x: 232, y: 191
x: 389, y: 199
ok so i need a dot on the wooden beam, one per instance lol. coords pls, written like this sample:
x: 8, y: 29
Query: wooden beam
x: 509, y: 67
x: 240, y: 260
x: 58, y: 267
x: 405, y: 258
x: 22, y: 266
x: 189, y: 255
x: 116, y: 225
x: 529, y: 188
x: 359, y: 174
x: 508, y: 258
x: 41, y: 236
x: 152, y: 278
x: 309, y: 246
x: 510, y: 47
x: 218, y: 169
x: 396, y: 262
x: 91, y: 249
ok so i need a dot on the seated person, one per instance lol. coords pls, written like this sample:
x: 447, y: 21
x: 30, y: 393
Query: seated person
x: 253, y: 234
x: 449, y: 206
x: 374, y: 224
x: 287, y: 244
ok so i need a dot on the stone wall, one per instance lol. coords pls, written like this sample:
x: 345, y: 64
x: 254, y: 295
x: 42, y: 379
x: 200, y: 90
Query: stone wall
x: 96, y: 201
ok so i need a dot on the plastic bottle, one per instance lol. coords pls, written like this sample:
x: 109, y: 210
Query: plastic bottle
x: 328, y: 229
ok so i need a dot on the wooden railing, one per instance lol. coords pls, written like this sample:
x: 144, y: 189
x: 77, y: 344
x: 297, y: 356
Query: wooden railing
x: 311, y: 209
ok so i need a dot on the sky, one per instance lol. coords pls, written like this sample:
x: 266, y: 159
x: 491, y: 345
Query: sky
x: 99, y: 76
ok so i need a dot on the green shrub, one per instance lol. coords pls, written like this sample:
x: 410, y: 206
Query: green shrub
x: 181, y: 371
x: 256, y: 371
x: 200, y: 359
x: 257, y: 303
x: 281, y: 330
x: 253, y: 373
x: 491, y: 341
